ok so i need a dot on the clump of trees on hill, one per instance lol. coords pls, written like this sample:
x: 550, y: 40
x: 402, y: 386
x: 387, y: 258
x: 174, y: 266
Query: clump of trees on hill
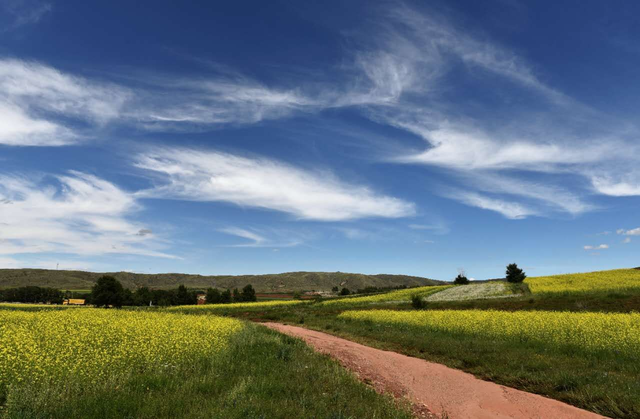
x: 32, y: 294
x: 248, y: 294
x: 461, y: 279
x: 109, y: 292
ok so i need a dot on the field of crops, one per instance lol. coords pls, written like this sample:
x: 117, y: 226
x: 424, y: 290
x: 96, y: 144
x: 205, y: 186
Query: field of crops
x: 619, y: 280
x: 389, y: 297
x: 223, y: 308
x: 475, y: 292
x: 95, y: 345
x: 592, y: 332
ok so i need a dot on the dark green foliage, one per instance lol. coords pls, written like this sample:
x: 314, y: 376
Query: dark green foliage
x: 107, y: 291
x: 345, y: 291
x: 213, y: 296
x: 335, y: 289
x: 515, y: 274
x: 248, y: 294
x: 418, y: 302
x: 32, y: 294
x: 185, y: 297
x: 375, y: 290
x: 225, y: 297
x: 236, y: 296
x: 461, y: 280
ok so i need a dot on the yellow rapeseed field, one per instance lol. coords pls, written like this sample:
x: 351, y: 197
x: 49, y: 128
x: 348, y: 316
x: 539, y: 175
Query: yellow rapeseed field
x: 393, y: 296
x: 213, y: 308
x: 97, y: 344
x: 593, y: 332
x: 619, y: 280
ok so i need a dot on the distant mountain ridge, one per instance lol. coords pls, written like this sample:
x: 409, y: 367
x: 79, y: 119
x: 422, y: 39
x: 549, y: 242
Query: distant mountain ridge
x: 289, y: 281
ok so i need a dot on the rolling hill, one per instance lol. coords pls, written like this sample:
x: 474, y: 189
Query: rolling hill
x: 284, y: 282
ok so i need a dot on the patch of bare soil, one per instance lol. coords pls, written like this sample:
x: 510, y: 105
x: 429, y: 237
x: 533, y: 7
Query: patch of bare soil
x: 434, y: 390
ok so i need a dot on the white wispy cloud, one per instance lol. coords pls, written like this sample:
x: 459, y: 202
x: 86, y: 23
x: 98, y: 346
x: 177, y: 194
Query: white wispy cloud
x: 599, y: 247
x: 257, y: 182
x: 258, y: 238
x: 632, y: 232
x: 35, y: 99
x: 512, y: 210
x: 551, y: 133
x: 613, y: 184
x: 77, y: 214
x: 626, y: 240
x: 24, y: 12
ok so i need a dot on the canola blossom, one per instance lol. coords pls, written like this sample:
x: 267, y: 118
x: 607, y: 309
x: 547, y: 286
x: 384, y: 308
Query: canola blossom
x: 99, y: 344
x: 618, y: 280
x: 591, y: 332
x: 33, y: 307
x: 215, y: 308
x: 388, y: 297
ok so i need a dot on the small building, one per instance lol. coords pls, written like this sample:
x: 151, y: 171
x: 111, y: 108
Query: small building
x: 201, y: 299
x: 73, y: 302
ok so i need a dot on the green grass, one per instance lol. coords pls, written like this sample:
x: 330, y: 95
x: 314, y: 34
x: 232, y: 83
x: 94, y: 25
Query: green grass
x: 264, y: 375
x: 393, y: 297
x: 602, y: 383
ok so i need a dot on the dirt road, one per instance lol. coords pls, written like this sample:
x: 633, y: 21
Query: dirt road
x: 433, y: 387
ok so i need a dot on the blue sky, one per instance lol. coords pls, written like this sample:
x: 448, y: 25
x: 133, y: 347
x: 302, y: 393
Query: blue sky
x: 375, y: 137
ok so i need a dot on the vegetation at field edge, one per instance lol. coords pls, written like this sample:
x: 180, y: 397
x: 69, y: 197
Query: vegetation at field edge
x: 604, y: 382
x: 257, y: 373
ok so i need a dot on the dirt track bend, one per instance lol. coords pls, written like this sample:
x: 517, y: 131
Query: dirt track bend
x: 433, y: 387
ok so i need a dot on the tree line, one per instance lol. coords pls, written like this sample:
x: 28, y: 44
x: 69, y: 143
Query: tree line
x: 32, y: 294
x: 108, y: 291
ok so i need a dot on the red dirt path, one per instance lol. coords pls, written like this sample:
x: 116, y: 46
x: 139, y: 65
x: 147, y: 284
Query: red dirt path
x: 433, y: 387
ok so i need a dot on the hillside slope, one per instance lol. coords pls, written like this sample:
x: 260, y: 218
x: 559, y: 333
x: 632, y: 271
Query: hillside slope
x: 285, y: 282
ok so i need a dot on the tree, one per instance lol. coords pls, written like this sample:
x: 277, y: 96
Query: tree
x: 183, y: 297
x: 248, y: 293
x: 461, y: 280
x: 143, y: 296
x: 213, y: 296
x: 236, y: 296
x: 335, y: 289
x: 345, y: 291
x: 225, y: 297
x: 107, y: 291
x: 515, y: 274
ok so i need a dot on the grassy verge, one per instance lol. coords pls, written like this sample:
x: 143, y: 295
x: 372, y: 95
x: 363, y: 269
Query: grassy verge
x: 605, y: 384
x: 263, y: 375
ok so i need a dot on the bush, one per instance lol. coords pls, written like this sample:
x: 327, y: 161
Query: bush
x: 515, y: 274
x: 345, y: 291
x: 418, y: 302
x: 461, y: 280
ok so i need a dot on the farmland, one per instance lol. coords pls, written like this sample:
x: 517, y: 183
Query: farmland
x: 143, y: 361
x: 510, y: 341
x: 111, y: 363
x: 619, y: 281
